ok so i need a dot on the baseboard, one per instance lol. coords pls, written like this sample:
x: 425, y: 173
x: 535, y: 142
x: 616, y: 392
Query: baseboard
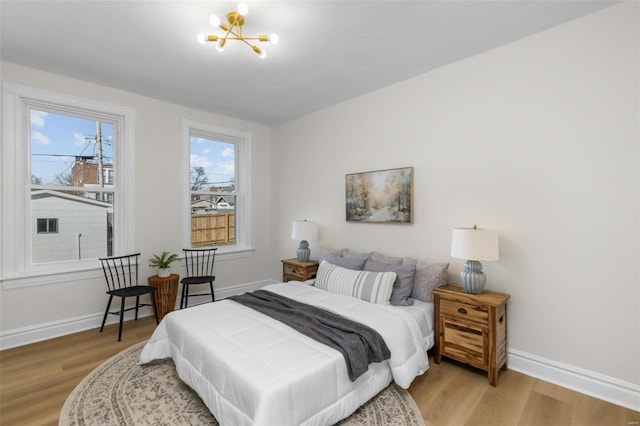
x: 590, y: 383
x: 49, y: 330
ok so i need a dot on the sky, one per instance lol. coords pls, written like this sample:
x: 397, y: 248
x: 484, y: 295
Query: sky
x: 57, y: 138
x: 216, y: 157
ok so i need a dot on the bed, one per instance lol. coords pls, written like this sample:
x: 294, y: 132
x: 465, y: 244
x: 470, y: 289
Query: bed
x: 250, y: 369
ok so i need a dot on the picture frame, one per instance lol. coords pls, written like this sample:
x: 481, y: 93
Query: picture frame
x: 381, y: 196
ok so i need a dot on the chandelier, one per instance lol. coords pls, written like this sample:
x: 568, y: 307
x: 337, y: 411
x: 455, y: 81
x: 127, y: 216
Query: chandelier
x: 233, y: 31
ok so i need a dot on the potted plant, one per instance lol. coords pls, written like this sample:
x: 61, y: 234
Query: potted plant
x: 162, y: 262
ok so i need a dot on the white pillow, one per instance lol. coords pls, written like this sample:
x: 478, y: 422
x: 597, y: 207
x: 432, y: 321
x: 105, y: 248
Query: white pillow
x: 369, y: 286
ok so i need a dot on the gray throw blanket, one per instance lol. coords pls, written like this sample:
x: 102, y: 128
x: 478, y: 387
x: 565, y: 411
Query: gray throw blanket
x: 359, y: 344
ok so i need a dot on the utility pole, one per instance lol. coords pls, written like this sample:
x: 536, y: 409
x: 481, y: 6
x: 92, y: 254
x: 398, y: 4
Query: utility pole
x: 100, y: 165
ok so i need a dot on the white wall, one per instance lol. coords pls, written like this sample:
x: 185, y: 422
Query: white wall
x: 74, y: 218
x: 157, y: 208
x: 537, y: 139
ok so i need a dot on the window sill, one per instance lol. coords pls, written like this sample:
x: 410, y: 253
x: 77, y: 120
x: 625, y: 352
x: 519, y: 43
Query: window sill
x: 229, y: 253
x: 53, y: 277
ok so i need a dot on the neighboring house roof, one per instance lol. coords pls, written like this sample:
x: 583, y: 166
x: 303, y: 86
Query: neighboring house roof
x: 209, y: 203
x: 45, y: 193
x: 201, y: 203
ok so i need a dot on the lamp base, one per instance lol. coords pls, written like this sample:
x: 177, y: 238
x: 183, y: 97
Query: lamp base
x: 473, y: 279
x: 303, y: 251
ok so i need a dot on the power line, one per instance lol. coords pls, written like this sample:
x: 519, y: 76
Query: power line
x: 64, y: 155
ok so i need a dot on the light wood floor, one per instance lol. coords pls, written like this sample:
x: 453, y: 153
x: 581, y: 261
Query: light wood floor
x: 36, y: 379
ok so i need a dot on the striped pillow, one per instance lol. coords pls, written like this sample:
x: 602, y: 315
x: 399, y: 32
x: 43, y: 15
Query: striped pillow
x: 369, y: 286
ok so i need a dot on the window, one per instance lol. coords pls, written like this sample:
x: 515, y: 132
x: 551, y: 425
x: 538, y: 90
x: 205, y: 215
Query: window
x: 107, y: 175
x: 59, y: 215
x: 47, y: 226
x: 216, y: 200
x: 70, y: 152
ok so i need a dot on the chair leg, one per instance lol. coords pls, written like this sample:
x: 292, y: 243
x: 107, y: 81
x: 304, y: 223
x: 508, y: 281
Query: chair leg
x: 106, y: 312
x: 137, y: 306
x: 186, y: 296
x: 182, y: 295
x: 121, y: 317
x: 213, y: 298
x: 155, y: 307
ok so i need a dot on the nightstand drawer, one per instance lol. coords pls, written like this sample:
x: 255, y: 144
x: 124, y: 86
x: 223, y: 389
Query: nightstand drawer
x: 293, y: 271
x: 463, y: 311
x: 464, y: 342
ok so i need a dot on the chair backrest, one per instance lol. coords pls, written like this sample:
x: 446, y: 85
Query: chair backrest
x: 199, y: 262
x: 120, y: 271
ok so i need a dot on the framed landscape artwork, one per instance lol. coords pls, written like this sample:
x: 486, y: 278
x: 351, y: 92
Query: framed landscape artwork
x: 383, y: 196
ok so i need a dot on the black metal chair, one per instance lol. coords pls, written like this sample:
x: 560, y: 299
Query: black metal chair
x: 199, y: 264
x: 121, y: 274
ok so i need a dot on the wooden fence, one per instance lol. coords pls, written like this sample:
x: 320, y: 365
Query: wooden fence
x: 210, y: 229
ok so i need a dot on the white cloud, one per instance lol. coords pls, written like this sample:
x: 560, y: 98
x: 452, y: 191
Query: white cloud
x: 227, y: 152
x: 225, y: 169
x: 199, y: 161
x: 206, y: 151
x: 37, y: 118
x: 39, y: 137
x: 79, y: 139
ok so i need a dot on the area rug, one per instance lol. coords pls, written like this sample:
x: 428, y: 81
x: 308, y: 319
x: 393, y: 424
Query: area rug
x: 121, y: 392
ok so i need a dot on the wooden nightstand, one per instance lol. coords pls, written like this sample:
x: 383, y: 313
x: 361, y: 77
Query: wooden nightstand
x: 296, y: 270
x: 471, y: 328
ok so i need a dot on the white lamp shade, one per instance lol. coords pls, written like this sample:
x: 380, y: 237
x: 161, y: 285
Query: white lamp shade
x: 304, y: 230
x: 474, y: 244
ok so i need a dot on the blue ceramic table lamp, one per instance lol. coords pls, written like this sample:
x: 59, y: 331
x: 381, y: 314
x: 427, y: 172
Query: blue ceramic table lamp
x: 303, y: 231
x: 474, y: 244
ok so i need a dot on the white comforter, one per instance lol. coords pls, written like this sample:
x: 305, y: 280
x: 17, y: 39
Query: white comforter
x: 250, y: 369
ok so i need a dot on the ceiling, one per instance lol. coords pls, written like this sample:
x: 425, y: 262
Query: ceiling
x: 329, y: 51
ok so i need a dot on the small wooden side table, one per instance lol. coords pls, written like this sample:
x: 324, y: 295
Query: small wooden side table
x: 471, y: 328
x: 166, y: 293
x: 297, y: 270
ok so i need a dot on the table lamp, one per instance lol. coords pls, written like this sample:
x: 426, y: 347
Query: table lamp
x: 474, y: 244
x: 303, y: 231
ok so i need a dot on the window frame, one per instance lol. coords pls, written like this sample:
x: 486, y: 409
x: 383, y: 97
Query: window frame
x: 242, y: 140
x: 17, y: 267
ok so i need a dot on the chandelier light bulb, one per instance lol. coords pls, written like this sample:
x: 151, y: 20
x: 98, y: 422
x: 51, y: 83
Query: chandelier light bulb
x: 214, y: 20
x: 220, y: 45
x: 202, y: 39
x: 274, y: 38
x: 259, y: 51
x: 243, y: 9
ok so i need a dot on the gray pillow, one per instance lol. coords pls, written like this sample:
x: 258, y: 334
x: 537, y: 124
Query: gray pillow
x: 392, y: 260
x: 383, y: 258
x: 428, y: 277
x: 409, y: 261
x: 403, y: 284
x: 356, y: 254
x: 348, y: 262
x: 325, y: 251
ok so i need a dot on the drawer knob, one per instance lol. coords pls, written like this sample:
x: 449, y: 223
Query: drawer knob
x: 501, y: 319
x: 462, y: 310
